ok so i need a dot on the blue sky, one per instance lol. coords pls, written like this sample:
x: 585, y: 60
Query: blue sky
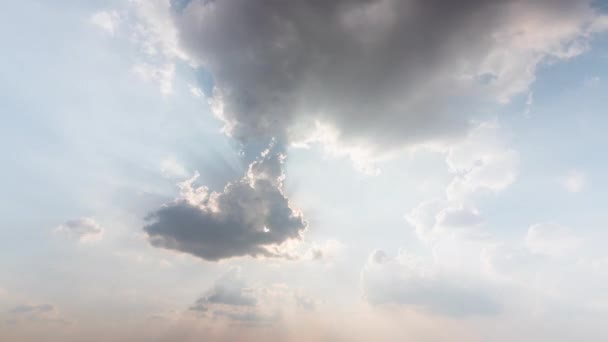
x: 456, y: 183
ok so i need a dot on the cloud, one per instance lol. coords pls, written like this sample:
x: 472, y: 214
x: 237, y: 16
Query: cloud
x: 410, y: 281
x: 251, y: 216
x: 435, y: 219
x: 32, y: 309
x: 551, y: 240
x: 326, y: 251
x: 148, y: 25
x: 35, y: 313
x: 458, y: 217
x: 481, y: 163
x: 228, y: 290
x: 83, y: 229
x: 171, y: 168
x: 106, y: 20
x: 574, y: 181
x: 230, y: 297
x: 161, y: 74
x: 379, y: 72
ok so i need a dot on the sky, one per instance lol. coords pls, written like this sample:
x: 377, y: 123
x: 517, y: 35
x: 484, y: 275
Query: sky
x: 239, y: 170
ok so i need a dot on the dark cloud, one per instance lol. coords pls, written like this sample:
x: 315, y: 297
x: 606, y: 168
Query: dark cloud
x: 407, y: 281
x: 251, y: 216
x: 381, y: 72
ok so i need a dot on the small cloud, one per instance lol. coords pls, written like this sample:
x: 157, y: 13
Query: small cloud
x: 230, y: 289
x: 83, y: 229
x: 106, y: 20
x: 171, y: 168
x: 326, y: 251
x: 551, y: 240
x: 36, y: 313
x: 483, y: 162
x: 162, y: 74
x: 459, y: 217
x: 231, y: 298
x: 196, y: 91
x: 435, y: 219
x: 32, y: 309
x: 574, y: 181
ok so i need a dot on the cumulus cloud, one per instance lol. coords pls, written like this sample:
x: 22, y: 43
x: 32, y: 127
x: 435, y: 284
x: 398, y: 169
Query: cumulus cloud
x: 251, y: 216
x: 482, y: 162
x: 379, y: 72
x: 411, y: 281
x: 434, y: 219
x: 83, y: 229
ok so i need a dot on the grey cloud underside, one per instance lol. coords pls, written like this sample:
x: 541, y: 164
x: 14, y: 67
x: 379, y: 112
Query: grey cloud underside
x: 229, y: 290
x: 230, y: 298
x: 250, y: 217
x: 385, y: 72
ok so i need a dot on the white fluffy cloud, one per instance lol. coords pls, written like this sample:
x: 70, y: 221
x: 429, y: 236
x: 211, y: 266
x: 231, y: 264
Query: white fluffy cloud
x: 480, y: 163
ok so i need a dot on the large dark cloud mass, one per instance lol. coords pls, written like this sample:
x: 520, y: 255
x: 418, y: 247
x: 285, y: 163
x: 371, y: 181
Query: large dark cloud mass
x: 251, y: 216
x: 358, y: 75
x: 380, y: 72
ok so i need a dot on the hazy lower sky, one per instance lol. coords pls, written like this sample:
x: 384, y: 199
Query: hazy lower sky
x: 303, y: 170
